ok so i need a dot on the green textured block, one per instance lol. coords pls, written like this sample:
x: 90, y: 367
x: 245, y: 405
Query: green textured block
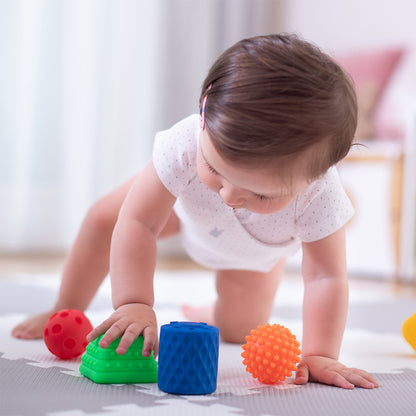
x: 104, y: 365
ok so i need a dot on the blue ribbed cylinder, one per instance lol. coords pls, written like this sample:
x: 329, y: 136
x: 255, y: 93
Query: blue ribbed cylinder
x: 188, y: 358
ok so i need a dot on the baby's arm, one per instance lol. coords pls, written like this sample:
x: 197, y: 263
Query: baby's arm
x: 142, y: 217
x: 324, y: 315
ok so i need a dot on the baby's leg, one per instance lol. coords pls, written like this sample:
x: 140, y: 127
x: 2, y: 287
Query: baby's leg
x: 245, y: 300
x: 87, y: 263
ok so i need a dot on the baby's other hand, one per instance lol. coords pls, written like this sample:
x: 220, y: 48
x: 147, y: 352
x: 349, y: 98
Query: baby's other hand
x: 129, y: 321
x: 328, y: 371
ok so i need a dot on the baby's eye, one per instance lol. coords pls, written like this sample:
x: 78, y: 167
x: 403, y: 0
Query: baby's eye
x: 211, y: 169
x: 262, y: 197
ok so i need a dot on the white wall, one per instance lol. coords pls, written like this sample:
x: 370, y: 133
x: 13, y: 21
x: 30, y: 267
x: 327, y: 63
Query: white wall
x: 342, y: 25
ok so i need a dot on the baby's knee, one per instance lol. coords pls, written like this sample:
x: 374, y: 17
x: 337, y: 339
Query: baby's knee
x: 234, y: 332
x: 99, y: 219
x: 233, y: 336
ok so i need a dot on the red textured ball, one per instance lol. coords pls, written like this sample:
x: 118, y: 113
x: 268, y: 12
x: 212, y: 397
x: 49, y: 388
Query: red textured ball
x: 271, y: 353
x: 65, y: 333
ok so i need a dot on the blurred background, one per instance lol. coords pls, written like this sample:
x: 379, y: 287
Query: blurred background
x: 86, y: 84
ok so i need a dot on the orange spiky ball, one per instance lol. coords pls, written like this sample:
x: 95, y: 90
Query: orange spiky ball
x: 271, y: 353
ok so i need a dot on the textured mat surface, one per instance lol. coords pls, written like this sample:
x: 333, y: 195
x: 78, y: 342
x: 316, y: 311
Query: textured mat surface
x: 34, y: 382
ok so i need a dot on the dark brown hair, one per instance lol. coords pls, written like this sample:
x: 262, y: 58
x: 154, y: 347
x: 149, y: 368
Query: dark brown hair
x: 275, y: 98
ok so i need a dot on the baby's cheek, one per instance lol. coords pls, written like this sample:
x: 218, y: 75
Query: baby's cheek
x: 208, y: 180
x: 281, y: 204
x: 212, y: 184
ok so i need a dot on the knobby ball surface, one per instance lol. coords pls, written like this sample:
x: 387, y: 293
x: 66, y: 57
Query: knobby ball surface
x: 65, y: 333
x: 271, y: 353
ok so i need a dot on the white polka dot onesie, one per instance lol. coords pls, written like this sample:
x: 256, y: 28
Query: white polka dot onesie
x: 220, y: 237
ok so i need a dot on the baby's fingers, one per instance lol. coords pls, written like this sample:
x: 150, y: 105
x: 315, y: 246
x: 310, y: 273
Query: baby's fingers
x: 151, y: 341
x: 350, y: 378
x: 336, y: 379
x: 302, y: 374
x: 128, y: 322
x: 131, y: 334
x: 114, y: 332
x: 98, y: 330
x: 361, y: 378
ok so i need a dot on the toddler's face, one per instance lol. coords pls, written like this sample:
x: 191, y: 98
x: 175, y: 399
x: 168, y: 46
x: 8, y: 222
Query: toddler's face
x: 257, y: 190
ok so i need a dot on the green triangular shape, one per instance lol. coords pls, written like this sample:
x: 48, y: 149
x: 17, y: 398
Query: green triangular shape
x: 104, y: 365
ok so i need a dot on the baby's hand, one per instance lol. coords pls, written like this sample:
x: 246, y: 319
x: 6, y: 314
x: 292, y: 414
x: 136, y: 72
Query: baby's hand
x: 328, y: 371
x: 129, y: 321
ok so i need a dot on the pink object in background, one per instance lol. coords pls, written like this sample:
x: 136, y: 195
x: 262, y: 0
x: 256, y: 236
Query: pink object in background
x: 392, y: 113
x: 371, y: 73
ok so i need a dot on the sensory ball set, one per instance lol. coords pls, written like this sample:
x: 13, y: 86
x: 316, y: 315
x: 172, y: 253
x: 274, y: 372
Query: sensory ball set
x: 188, y: 354
x: 271, y: 353
x: 65, y: 333
x: 409, y: 330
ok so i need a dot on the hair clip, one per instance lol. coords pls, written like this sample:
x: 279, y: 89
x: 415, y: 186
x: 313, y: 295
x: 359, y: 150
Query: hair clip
x: 202, y: 112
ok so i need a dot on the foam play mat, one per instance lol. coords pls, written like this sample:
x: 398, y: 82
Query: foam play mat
x: 35, y: 382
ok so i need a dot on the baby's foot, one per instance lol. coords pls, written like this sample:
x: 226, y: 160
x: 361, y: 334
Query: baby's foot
x: 32, y: 327
x: 199, y: 313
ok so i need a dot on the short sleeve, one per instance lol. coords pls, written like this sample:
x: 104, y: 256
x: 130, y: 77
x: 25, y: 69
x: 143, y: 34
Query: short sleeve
x: 323, y: 208
x: 174, y: 154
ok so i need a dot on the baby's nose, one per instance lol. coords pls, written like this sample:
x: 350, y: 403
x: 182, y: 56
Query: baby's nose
x: 231, y: 196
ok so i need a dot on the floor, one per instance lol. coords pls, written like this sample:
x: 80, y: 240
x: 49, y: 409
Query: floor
x: 372, y: 341
x: 14, y: 264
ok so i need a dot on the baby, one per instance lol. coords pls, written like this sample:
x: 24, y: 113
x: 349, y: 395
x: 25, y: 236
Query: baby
x: 245, y: 183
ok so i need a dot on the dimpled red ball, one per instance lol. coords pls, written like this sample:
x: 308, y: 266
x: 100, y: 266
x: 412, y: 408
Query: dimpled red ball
x: 271, y: 353
x: 65, y: 333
